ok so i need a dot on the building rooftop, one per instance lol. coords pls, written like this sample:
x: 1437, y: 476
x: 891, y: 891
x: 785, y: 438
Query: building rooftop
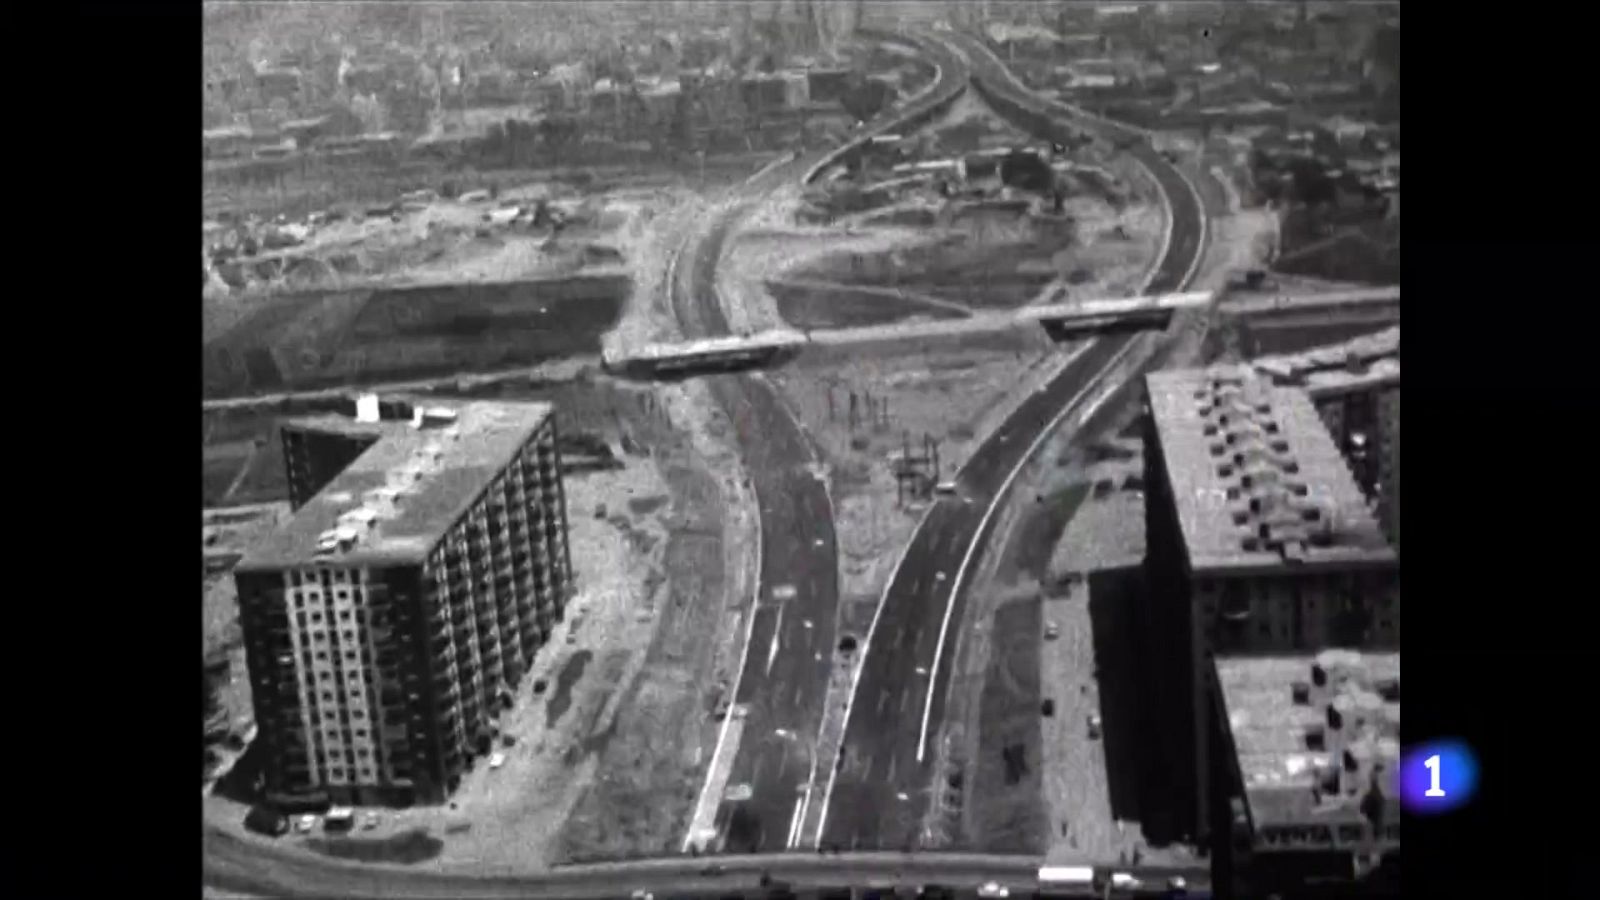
x: 394, y: 502
x: 1256, y: 480
x: 1314, y: 734
x: 1371, y: 360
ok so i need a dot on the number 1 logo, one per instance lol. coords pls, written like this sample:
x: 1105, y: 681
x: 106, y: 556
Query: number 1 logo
x: 1438, y: 776
x: 1433, y: 790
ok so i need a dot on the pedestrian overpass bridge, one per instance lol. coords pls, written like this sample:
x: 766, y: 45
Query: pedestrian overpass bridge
x: 1061, y: 321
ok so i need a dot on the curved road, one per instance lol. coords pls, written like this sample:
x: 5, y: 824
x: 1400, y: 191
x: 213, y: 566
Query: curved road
x: 782, y: 685
x: 781, y: 691
x: 785, y: 665
x: 885, y: 771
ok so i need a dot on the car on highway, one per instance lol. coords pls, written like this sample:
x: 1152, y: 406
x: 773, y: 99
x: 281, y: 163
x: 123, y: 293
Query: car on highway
x: 945, y: 488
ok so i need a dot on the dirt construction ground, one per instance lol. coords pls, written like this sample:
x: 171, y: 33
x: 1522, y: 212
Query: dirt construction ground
x: 1100, y: 249
x: 611, y: 727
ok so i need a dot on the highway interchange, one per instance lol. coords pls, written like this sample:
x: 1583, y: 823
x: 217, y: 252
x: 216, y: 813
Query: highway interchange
x: 788, y: 652
x: 885, y: 770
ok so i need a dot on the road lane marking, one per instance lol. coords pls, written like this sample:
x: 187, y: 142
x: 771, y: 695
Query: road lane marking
x: 983, y: 524
x: 777, y: 633
x: 794, y: 825
x: 883, y: 600
x: 1189, y: 274
x: 700, y: 810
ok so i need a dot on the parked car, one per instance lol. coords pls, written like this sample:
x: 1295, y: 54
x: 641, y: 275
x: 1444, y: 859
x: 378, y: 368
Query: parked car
x: 339, y: 819
x: 1094, y: 727
x: 269, y: 822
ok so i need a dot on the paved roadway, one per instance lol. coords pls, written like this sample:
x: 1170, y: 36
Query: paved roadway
x: 796, y: 516
x: 786, y: 665
x: 882, y: 790
x: 232, y: 864
x: 783, y: 683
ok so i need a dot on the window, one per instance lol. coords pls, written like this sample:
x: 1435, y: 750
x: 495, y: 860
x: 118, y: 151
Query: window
x: 344, y: 615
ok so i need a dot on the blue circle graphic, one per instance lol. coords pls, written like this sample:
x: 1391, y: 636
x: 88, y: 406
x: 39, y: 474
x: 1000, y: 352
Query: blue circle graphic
x: 1438, y: 776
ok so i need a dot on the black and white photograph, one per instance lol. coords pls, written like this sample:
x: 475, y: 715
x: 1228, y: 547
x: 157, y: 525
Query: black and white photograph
x: 804, y: 448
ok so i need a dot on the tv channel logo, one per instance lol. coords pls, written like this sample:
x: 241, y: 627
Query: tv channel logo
x: 1438, y: 776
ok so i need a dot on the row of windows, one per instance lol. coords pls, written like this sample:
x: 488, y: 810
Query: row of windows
x: 315, y: 618
x: 323, y: 577
x: 319, y: 598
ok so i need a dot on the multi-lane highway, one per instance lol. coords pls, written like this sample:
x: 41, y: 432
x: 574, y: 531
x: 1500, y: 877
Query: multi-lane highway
x: 780, y: 690
x: 781, y: 681
x: 885, y: 772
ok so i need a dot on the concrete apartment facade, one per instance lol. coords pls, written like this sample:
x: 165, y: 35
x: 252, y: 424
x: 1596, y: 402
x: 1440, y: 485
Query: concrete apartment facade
x: 390, y: 620
x: 1356, y: 389
x: 1307, y: 774
x: 1258, y: 542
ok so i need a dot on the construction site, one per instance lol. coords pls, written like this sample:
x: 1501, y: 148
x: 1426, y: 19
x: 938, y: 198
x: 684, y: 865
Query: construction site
x: 535, y: 214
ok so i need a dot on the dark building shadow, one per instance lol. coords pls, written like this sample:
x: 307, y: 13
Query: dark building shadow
x: 1136, y: 706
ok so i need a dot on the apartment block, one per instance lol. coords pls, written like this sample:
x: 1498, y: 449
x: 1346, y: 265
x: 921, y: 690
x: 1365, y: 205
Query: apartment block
x: 1258, y: 541
x: 1356, y: 389
x: 1308, y: 774
x: 392, y: 618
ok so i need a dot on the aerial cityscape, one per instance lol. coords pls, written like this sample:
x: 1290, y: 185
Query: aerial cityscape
x: 801, y: 448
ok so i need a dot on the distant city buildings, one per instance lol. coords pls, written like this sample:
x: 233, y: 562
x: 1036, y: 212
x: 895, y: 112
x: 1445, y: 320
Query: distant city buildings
x: 388, y: 622
x: 1258, y: 542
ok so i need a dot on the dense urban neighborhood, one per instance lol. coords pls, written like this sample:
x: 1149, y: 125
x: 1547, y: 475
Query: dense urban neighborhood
x: 696, y: 448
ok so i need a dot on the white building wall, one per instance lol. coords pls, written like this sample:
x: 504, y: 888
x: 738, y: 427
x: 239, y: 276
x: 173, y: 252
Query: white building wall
x: 339, y: 717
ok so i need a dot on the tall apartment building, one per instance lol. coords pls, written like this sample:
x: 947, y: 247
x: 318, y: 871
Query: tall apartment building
x: 1258, y: 541
x: 390, y: 619
x: 1356, y: 389
x: 1307, y: 774
x: 317, y: 448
